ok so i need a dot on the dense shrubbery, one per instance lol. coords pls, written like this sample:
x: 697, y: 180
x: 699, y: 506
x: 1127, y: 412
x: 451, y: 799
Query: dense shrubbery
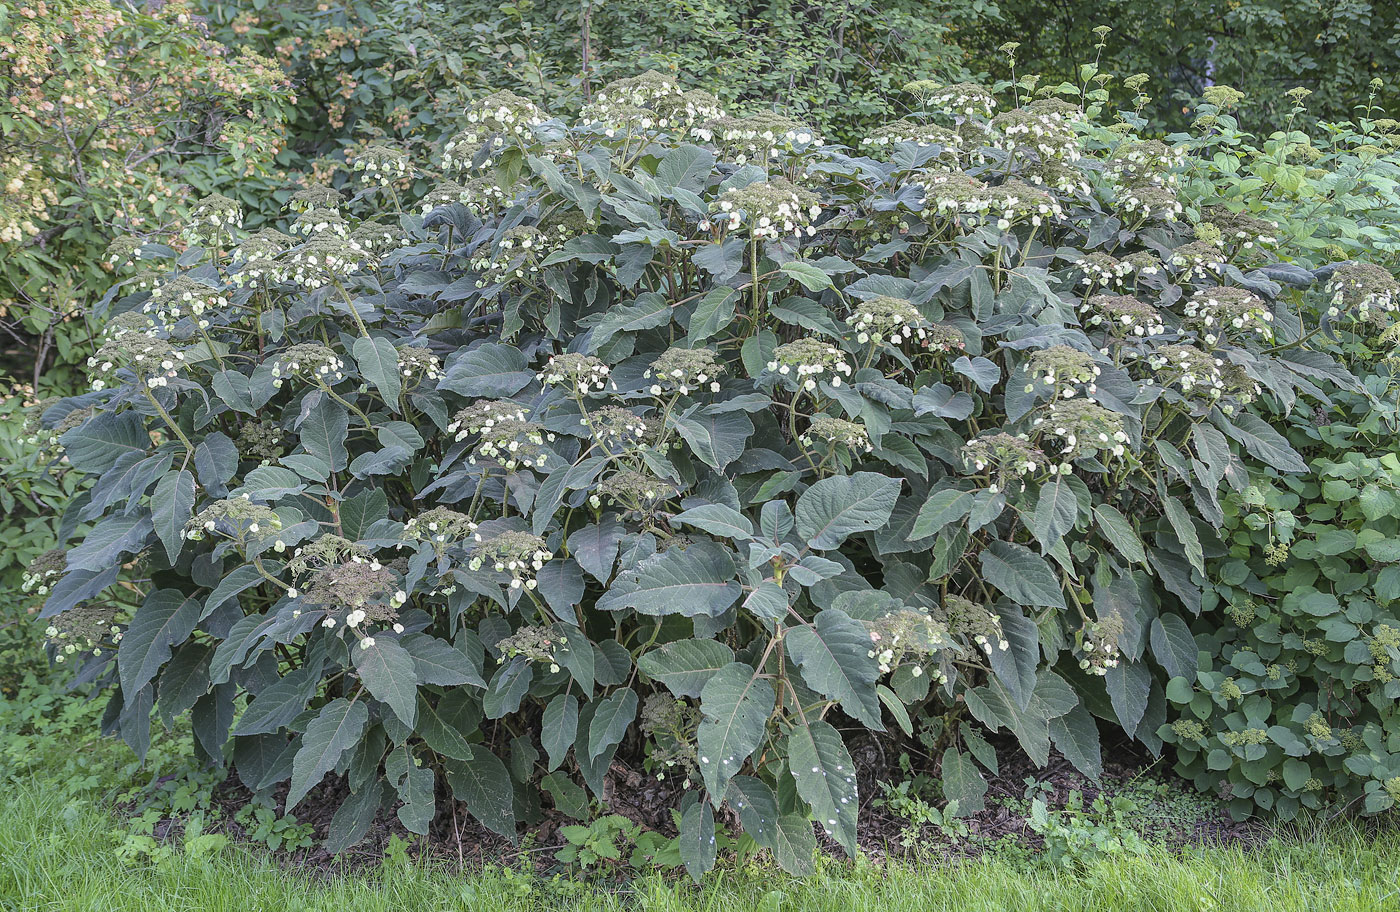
x: 693, y: 455
x: 106, y: 113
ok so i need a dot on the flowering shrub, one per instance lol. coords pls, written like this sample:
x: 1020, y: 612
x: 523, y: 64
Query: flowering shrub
x: 771, y: 439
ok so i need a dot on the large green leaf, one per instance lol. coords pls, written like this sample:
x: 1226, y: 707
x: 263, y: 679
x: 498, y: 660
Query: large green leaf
x: 736, y: 704
x: 95, y: 446
x: 826, y: 779
x: 1076, y: 734
x: 388, y: 671
x: 697, y: 839
x: 165, y: 619
x: 944, y: 506
x: 611, y: 719
x: 1055, y: 512
x: 488, y: 370
x: 324, y: 431
x: 697, y: 579
x: 335, y: 730
x: 794, y: 844
x: 685, y: 666
x: 1185, y: 531
x: 1174, y: 646
x: 439, y: 662
x: 719, y: 438
x: 834, y: 655
x: 559, y: 728
x: 963, y: 782
x: 278, y: 704
x: 483, y: 785
x: 717, y: 519
x: 836, y: 507
x: 379, y: 364
x: 1024, y: 577
x: 172, y: 504
x: 1120, y: 533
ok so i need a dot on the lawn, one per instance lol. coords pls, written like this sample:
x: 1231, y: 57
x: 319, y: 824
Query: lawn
x: 57, y: 853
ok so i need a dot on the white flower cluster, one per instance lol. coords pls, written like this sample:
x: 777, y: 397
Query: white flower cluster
x: 419, y: 364
x: 516, y: 256
x: 953, y: 193
x: 1064, y: 370
x: 920, y: 134
x: 484, y: 415
x: 322, y: 261
x: 215, y: 218
x: 513, y: 443
x: 1101, y: 270
x: 381, y: 164
x: 683, y: 370
x: 518, y: 553
x: 1213, y: 312
x: 1014, y: 200
x: 1044, y: 131
x: 320, y: 221
x: 1364, y: 288
x: 807, y: 361
x: 769, y: 209
x: 1122, y: 315
x: 827, y: 429
x: 502, y: 112
x: 585, y: 372
x: 1190, y: 368
x: 1084, y: 428
x: 311, y: 360
x: 890, y: 319
x: 1145, y: 163
x: 962, y: 100
x: 1199, y: 259
x: 155, y: 362
x: 1149, y: 202
x: 259, y: 258
x: 180, y: 297
x: 761, y: 138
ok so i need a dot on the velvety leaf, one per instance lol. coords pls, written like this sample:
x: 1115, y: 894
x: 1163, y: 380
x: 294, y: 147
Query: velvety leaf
x: 834, y: 655
x: 944, y: 506
x: 1174, y: 646
x: 172, y: 504
x: 826, y: 779
x: 611, y: 719
x: 697, y: 579
x: 1120, y: 533
x: 335, y: 730
x: 963, y: 782
x: 165, y: 619
x: 379, y: 364
x: 559, y: 728
x: 686, y: 666
x: 1024, y: 577
x: 834, y: 508
x: 736, y: 704
x: 389, y: 673
x: 483, y: 785
x: 697, y: 839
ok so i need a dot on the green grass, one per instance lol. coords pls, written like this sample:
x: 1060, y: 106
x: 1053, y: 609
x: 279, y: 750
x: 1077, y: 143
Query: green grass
x: 56, y: 854
x: 59, y: 839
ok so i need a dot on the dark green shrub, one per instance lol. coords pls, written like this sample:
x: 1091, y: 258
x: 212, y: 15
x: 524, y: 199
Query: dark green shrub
x: 686, y: 456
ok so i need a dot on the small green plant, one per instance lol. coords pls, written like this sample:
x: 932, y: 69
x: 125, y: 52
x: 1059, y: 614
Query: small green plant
x: 600, y: 843
x: 903, y: 799
x: 1080, y: 834
x: 263, y: 825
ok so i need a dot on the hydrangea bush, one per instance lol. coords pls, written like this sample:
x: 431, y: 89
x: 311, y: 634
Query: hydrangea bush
x: 687, y: 442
